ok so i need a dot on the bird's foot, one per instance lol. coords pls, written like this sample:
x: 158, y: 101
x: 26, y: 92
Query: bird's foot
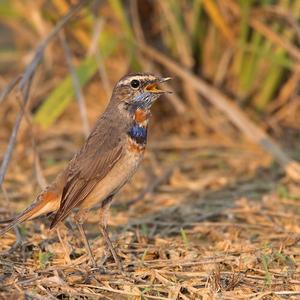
x: 111, y: 252
x: 92, y: 262
x: 117, y: 260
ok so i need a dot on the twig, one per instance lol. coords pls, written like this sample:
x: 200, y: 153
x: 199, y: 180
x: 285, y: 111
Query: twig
x: 37, y: 163
x: 50, y: 296
x: 275, y: 38
x: 109, y: 289
x: 12, y: 139
x: 233, y: 112
x: 76, y: 84
x: 9, y: 87
x: 17, y: 243
x: 258, y: 25
x: 40, y: 49
x: 93, y: 50
x: 279, y: 12
x: 25, y: 84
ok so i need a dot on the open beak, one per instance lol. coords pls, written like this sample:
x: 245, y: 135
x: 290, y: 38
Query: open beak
x: 154, y: 86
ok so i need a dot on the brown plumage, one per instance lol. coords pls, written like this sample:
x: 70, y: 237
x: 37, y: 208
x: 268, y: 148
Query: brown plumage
x: 106, y: 161
x: 91, y: 165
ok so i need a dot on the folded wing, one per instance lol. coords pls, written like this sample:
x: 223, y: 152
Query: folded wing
x: 88, y: 167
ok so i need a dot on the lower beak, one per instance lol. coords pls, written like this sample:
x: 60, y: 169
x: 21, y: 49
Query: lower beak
x: 165, y: 79
x: 154, y: 88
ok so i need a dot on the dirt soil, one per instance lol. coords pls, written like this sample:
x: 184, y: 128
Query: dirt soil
x: 197, y: 221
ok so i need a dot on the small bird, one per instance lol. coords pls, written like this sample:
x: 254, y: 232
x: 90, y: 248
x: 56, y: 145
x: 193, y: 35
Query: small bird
x: 106, y: 161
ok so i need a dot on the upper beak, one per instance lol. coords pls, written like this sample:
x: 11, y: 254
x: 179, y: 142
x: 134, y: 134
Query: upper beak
x: 153, y: 87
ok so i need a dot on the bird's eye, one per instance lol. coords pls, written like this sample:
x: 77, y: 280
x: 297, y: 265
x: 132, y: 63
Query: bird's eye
x: 135, y: 83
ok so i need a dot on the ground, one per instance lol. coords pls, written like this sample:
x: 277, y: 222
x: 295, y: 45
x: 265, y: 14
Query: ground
x: 201, y: 224
x: 208, y: 215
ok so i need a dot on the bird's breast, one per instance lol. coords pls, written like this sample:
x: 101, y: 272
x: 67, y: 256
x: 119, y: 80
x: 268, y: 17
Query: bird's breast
x: 121, y: 172
x: 137, y: 133
x: 141, y: 116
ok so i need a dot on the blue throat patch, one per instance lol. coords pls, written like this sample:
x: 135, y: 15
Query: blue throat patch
x: 138, y: 133
x: 142, y: 101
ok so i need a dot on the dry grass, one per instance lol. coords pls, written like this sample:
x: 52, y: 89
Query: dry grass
x: 212, y: 226
x: 208, y: 215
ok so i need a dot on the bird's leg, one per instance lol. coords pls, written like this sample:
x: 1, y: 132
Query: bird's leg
x: 103, y: 227
x: 64, y: 246
x: 111, y: 247
x: 85, y: 241
x: 86, y: 244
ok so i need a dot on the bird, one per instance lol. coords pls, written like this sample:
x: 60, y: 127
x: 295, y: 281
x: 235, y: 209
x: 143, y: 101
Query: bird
x: 106, y: 161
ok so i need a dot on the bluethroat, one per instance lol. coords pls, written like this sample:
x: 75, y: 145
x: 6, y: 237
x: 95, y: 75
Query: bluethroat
x: 106, y: 161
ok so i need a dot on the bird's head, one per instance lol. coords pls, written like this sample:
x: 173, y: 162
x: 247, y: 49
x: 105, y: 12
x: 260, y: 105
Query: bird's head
x: 139, y: 90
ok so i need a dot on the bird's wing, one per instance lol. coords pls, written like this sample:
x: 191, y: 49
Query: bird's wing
x: 100, y: 153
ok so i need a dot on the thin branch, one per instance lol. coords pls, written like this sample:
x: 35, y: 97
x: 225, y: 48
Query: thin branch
x: 94, y: 50
x: 25, y: 84
x: 41, y: 47
x: 76, y: 84
x: 12, y: 139
x: 278, y: 12
x: 9, y: 87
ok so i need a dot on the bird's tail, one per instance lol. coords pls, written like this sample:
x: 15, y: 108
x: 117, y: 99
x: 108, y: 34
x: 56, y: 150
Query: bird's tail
x: 46, y: 202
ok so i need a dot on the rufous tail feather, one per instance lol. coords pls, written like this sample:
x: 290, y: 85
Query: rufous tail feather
x: 47, y: 202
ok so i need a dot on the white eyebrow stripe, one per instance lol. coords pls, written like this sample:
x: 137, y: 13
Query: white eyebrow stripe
x: 137, y: 77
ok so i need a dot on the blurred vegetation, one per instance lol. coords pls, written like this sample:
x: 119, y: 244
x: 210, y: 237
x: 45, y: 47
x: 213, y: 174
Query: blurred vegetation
x: 206, y: 193
x: 246, y: 48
